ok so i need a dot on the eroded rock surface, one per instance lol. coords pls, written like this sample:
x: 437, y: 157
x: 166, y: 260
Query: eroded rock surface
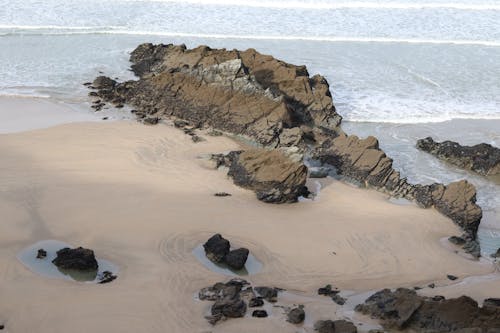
x: 404, y: 309
x: 274, y: 177
x: 482, y: 158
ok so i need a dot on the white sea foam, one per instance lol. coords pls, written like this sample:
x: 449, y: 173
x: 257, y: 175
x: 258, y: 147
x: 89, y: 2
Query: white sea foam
x: 74, y: 30
x: 314, y: 5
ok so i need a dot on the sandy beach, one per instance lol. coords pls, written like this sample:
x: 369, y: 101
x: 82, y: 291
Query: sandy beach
x: 142, y: 197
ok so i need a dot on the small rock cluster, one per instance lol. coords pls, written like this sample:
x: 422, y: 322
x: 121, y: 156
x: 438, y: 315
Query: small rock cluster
x: 218, y: 250
x: 231, y: 299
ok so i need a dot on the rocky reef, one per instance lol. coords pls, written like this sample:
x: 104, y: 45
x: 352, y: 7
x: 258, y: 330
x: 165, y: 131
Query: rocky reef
x: 276, y: 105
x: 482, y: 158
x: 403, y: 309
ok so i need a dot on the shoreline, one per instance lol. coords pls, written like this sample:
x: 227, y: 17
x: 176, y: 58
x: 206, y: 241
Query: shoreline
x: 143, y: 199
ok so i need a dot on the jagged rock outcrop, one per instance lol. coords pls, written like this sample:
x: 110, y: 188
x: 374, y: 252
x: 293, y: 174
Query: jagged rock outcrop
x: 364, y: 161
x: 404, y: 309
x: 277, y: 105
x: 243, y: 92
x: 273, y: 176
x: 482, y: 158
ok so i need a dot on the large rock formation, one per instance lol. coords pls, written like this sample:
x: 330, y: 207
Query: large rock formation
x: 404, y: 309
x: 277, y: 105
x: 273, y: 176
x: 482, y: 158
x: 240, y: 92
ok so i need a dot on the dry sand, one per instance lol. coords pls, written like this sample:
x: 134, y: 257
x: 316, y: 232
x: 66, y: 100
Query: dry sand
x: 141, y: 197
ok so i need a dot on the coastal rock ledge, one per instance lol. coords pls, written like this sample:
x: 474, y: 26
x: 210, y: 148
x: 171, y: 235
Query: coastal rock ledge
x: 277, y: 105
x: 482, y: 158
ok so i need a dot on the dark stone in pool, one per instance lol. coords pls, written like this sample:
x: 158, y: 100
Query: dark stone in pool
x: 259, y: 314
x: 78, y: 259
x: 236, y: 259
x: 107, y: 277
x: 432, y: 285
x: 338, y: 299
x: 2, y: 327
x: 451, y: 277
x: 41, y: 254
x: 216, y: 248
x: 255, y: 302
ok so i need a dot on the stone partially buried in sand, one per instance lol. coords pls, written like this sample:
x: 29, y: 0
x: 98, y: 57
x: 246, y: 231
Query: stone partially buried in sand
x: 77, y: 259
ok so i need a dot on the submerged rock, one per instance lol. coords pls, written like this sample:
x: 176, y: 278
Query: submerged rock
x: 482, y: 158
x: 216, y: 248
x: 270, y: 174
x: 404, y: 309
x: 77, y: 259
x: 255, y: 302
x: 496, y: 254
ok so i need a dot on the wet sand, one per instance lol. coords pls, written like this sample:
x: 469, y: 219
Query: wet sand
x: 142, y: 198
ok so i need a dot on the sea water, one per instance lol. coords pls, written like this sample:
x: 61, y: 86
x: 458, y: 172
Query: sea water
x: 398, y: 69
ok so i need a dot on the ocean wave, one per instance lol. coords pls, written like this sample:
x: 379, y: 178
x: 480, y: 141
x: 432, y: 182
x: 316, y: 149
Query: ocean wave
x: 62, y: 30
x: 415, y: 119
x: 327, y: 5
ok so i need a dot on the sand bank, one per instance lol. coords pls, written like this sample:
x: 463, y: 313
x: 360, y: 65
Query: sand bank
x: 141, y: 197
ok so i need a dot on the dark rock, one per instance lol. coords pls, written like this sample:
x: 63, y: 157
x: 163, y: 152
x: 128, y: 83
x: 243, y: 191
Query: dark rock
x: 220, y: 290
x: 2, y: 327
x: 215, y: 133
x: 319, y: 172
x: 432, y: 285
x: 87, y: 84
x: 482, y: 158
x: 328, y: 291
x: 472, y: 247
x: 456, y: 240
x: 151, y: 120
x: 496, y: 254
x: 296, y: 315
x: 222, y: 194
x: 337, y: 326
x: 236, y: 259
x: 78, y: 259
x: 394, y: 308
x: 417, y: 288
x: 451, y: 277
x: 273, y: 176
x: 216, y: 248
x: 255, y: 302
x: 259, y: 313
x: 104, y: 118
x: 495, y: 302
x: 267, y: 293
x: 338, y: 299
x: 107, y: 277
x: 104, y: 83
x: 41, y: 254
x: 229, y: 307
x: 403, y: 309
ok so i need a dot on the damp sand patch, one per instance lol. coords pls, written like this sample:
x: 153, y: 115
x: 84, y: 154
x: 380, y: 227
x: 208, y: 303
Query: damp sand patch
x: 44, y: 266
